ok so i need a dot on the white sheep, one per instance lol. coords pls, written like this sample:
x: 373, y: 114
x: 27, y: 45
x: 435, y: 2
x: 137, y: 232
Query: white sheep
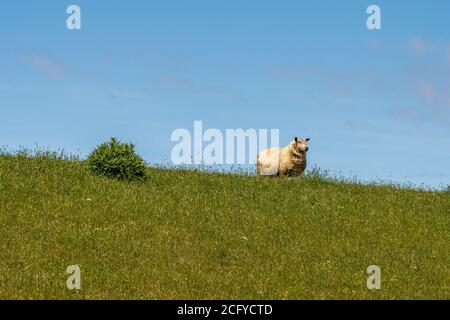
x: 290, y: 160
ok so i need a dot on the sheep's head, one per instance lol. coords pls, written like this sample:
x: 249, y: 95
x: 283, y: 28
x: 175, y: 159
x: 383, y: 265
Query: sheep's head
x: 301, y: 145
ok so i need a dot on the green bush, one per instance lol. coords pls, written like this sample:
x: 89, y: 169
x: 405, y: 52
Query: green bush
x: 114, y: 159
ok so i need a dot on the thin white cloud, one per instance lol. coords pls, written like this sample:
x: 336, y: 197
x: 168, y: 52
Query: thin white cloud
x: 432, y: 96
x: 447, y: 58
x: 288, y: 73
x: 418, y: 46
x: 190, y: 86
x: 7, y: 88
x: 427, y: 92
x: 421, y: 46
x: 43, y: 64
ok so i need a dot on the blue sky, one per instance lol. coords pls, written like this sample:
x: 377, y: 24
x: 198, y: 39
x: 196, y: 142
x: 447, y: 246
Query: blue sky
x: 376, y: 104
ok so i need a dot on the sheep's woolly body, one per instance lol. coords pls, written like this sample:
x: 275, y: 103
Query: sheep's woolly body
x: 291, y: 161
x: 281, y: 161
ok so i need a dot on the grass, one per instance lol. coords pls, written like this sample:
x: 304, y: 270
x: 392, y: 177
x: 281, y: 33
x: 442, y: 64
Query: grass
x: 194, y: 235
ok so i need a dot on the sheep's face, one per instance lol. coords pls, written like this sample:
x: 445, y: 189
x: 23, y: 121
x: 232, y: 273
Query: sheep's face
x: 301, y: 145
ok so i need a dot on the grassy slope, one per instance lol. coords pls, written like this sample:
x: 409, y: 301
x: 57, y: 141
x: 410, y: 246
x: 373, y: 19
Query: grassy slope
x: 195, y: 235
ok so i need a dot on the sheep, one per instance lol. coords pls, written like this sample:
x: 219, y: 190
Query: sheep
x: 287, y: 161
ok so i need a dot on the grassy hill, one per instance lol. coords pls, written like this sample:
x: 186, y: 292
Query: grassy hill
x: 185, y: 234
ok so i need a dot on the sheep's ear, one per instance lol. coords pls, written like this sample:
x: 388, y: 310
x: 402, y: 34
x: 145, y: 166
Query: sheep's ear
x: 296, y: 139
x: 307, y: 139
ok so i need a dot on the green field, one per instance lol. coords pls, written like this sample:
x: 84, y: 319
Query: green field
x: 194, y: 235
